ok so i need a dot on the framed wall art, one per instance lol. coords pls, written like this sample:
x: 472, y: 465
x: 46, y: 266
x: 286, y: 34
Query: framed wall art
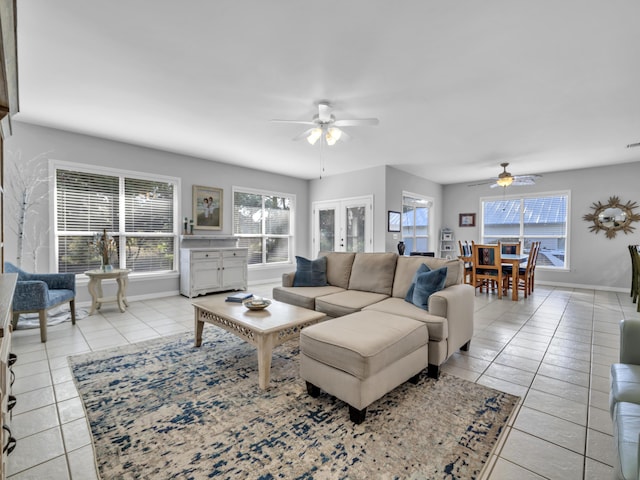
x: 207, y: 208
x: 467, y: 220
x: 393, y: 221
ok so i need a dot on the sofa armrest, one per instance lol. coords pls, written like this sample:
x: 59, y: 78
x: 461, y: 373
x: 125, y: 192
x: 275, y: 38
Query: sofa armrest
x: 629, y: 341
x: 287, y: 279
x: 456, y: 304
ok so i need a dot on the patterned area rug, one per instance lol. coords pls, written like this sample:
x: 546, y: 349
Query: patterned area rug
x: 165, y: 409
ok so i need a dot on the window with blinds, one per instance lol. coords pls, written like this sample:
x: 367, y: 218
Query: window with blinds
x: 262, y: 222
x: 528, y: 219
x: 138, y: 213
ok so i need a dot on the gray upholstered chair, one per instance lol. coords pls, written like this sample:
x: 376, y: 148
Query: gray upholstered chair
x: 39, y: 292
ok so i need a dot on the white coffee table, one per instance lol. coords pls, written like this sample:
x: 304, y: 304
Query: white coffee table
x: 263, y: 329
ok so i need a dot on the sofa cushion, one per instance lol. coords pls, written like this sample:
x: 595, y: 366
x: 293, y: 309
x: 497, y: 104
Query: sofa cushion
x: 407, y: 266
x: 304, y: 297
x: 346, y: 302
x: 421, y: 269
x: 428, y: 283
x: 438, y: 326
x: 363, y: 343
x: 310, y: 273
x: 625, y: 384
x: 373, y: 272
x: 339, y: 267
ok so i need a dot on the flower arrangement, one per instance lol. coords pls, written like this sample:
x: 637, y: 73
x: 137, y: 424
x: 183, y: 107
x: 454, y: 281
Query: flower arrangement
x: 104, y: 246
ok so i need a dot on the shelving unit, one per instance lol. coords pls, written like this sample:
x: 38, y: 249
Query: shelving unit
x: 447, y: 245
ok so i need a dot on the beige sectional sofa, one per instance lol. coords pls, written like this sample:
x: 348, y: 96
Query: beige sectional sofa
x: 379, y: 282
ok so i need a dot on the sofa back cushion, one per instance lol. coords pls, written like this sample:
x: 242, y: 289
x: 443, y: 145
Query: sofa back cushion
x: 373, y: 272
x: 407, y: 267
x: 338, y: 267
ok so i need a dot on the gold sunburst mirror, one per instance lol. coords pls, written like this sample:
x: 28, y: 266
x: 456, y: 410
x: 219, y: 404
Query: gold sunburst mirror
x: 612, y: 217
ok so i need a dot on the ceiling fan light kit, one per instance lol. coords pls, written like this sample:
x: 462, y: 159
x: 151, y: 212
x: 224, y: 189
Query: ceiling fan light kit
x: 325, y: 126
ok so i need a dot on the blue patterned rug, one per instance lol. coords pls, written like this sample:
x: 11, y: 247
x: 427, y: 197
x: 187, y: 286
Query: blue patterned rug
x: 165, y: 409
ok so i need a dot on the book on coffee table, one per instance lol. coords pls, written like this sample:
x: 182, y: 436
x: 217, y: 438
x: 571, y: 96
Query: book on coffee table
x: 239, y: 297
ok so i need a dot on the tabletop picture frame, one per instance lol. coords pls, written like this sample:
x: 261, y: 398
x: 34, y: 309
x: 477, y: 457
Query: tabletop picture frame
x: 393, y: 221
x: 467, y: 220
x: 207, y: 208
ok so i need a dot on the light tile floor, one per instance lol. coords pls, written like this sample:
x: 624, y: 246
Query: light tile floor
x: 552, y: 349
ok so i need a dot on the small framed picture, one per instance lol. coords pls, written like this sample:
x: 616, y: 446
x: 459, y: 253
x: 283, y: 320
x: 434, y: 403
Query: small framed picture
x: 467, y: 220
x: 393, y: 221
x: 207, y: 208
x: 447, y: 247
x: 447, y: 236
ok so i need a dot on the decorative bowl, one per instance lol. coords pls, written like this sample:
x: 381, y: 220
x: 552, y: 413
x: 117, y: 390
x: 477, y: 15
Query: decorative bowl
x: 256, y: 303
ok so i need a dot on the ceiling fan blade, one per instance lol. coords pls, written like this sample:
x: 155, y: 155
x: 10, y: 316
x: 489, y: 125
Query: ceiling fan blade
x: 324, y: 112
x: 356, y: 122
x: 299, y: 122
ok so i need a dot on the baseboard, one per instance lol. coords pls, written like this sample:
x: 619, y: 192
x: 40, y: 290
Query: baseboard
x: 581, y: 286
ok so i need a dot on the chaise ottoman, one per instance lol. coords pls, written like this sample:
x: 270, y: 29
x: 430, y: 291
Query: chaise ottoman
x: 362, y: 356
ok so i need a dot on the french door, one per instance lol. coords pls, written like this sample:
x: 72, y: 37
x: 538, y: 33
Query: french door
x: 343, y: 225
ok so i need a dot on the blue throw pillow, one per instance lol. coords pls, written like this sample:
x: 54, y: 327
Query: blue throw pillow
x: 427, y: 284
x: 310, y: 273
x: 421, y: 269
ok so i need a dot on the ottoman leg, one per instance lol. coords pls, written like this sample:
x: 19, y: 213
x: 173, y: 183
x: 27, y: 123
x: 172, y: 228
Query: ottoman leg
x: 312, y: 390
x: 415, y: 379
x: 433, y: 371
x: 357, y: 416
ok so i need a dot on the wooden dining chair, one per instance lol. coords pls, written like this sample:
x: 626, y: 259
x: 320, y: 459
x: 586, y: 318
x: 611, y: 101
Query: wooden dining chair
x: 509, y: 248
x: 487, y: 267
x: 525, y: 272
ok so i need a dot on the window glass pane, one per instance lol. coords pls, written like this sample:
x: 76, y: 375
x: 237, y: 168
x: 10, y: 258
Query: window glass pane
x: 86, y: 202
x: 254, y: 244
x: 247, y: 213
x: 148, y: 206
x: 75, y: 254
x: 277, y: 249
x: 355, y: 229
x: 145, y: 254
x: 277, y: 215
x: 327, y: 219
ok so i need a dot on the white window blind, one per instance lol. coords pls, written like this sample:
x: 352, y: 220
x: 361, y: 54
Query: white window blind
x: 263, y: 224
x: 138, y: 213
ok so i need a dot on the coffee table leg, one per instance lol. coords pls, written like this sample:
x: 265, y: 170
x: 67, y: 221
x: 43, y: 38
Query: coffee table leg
x: 199, y: 326
x: 265, y: 348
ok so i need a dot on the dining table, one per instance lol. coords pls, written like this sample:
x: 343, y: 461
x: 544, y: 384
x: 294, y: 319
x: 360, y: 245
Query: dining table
x: 515, y: 260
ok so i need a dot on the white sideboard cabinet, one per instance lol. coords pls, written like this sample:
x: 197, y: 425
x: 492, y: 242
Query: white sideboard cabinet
x: 211, y: 264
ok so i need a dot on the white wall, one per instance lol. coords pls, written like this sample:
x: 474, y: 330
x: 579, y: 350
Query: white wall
x: 30, y: 141
x: 594, y: 259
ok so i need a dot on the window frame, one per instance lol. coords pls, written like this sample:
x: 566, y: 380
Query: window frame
x: 521, y: 237
x: 292, y: 217
x: 122, y: 234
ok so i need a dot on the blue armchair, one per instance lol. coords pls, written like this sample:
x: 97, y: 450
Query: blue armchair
x: 38, y: 292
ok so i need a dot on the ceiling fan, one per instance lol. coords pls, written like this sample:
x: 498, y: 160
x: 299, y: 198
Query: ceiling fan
x: 506, y: 179
x: 324, y: 125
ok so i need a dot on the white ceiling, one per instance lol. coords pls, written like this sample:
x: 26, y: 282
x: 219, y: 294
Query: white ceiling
x: 458, y: 86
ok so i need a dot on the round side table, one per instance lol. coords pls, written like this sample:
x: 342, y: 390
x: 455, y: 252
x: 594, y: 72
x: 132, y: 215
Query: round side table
x: 95, y: 288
